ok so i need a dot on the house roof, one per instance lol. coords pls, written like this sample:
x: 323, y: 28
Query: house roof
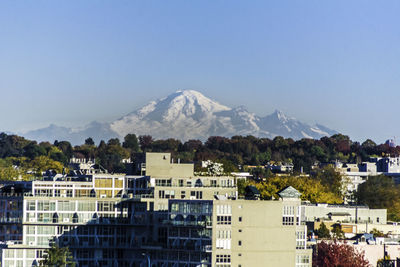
x: 252, y: 189
x: 289, y: 192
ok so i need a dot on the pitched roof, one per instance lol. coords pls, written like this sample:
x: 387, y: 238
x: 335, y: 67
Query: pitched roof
x: 289, y: 192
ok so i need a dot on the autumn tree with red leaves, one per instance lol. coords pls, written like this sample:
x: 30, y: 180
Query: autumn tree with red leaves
x: 334, y: 254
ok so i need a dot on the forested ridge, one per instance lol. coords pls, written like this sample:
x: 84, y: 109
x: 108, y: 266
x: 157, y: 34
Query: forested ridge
x: 232, y: 152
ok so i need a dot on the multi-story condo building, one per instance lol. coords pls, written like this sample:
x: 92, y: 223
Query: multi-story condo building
x: 11, y: 201
x: 167, y: 217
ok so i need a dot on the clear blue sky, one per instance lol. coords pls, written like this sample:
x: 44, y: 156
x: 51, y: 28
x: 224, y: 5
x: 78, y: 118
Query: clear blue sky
x: 72, y: 62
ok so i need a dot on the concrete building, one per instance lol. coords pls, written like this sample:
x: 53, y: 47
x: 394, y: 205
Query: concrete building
x: 342, y: 213
x: 167, y: 216
x: 356, y: 174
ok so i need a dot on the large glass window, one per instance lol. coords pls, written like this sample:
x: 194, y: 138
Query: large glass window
x: 46, y: 230
x: 105, y: 206
x: 45, y: 205
x: 66, y: 205
x: 86, y: 206
x: 103, y: 182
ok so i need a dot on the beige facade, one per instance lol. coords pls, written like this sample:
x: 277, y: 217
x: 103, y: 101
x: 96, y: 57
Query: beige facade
x: 161, y: 165
x: 258, y: 237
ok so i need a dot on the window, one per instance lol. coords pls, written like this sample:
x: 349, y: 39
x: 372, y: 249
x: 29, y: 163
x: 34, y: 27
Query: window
x: 196, y: 194
x: 224, y: 219
x: 377, y: 219
x: 69, y: 192
x: 223, y: 244
x: 169, y: 194
x: 57, y: 192
x: 224, y: 209
x: 181, y: 182
x: 163, y: 182
x: 118, y: 183
x: 223, y: 258
x: 240, y: 230
x: 30, y: 205
x: 288, y: 215
x: 302, y: 261
x: 288, y: 220
x: 103, y: 182
x: 66, y: 206
x: 86, y: 206
x: 301, y: 240
x: 9, y: 253
x: 105, y: 206
x: 46, y: 230
x: 183, y: 194
x: 30, y: 230
x: 240, y: 219
x: 46, y: 205
x: 240, y: 243
x: 224, y: 234
x: 213, y: 183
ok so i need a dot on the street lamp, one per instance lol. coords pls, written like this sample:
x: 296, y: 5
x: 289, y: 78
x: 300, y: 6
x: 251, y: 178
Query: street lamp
x: 148, y: 259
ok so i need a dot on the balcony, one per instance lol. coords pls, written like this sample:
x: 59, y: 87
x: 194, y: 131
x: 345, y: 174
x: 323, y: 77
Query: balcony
x: 188, y: 223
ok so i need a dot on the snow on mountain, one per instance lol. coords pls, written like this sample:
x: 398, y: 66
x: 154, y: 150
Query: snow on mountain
x: 187, y: 115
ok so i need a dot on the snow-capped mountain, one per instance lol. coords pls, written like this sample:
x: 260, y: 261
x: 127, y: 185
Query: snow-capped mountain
x: 187, y: 115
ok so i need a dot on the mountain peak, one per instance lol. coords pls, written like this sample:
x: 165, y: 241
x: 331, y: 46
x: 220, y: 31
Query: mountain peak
x: 280, y: 115
x: 188, y: 114
x: 188, y: 92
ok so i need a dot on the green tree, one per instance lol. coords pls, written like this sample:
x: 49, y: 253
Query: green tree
x: 241, y: 185
x: 332, y: 179
x: 337, y: 231
x: 89, y: 141
x: 145, y: 142
x: 311, y: 189
x: 57, y: 256
x: 380, y: 192
x: 323, y: 231
x: 131, y: 142
x: 44, y: 163
x: 377, y: 233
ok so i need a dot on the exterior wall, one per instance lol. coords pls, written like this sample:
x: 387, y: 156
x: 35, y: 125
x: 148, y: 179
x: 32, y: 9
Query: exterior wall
x: 312, y: 212
x: 258, y: 236
x: 233, y: 233
x: 159, y: 165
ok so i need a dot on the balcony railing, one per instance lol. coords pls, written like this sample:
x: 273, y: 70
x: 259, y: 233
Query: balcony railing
x: 188, y: 223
